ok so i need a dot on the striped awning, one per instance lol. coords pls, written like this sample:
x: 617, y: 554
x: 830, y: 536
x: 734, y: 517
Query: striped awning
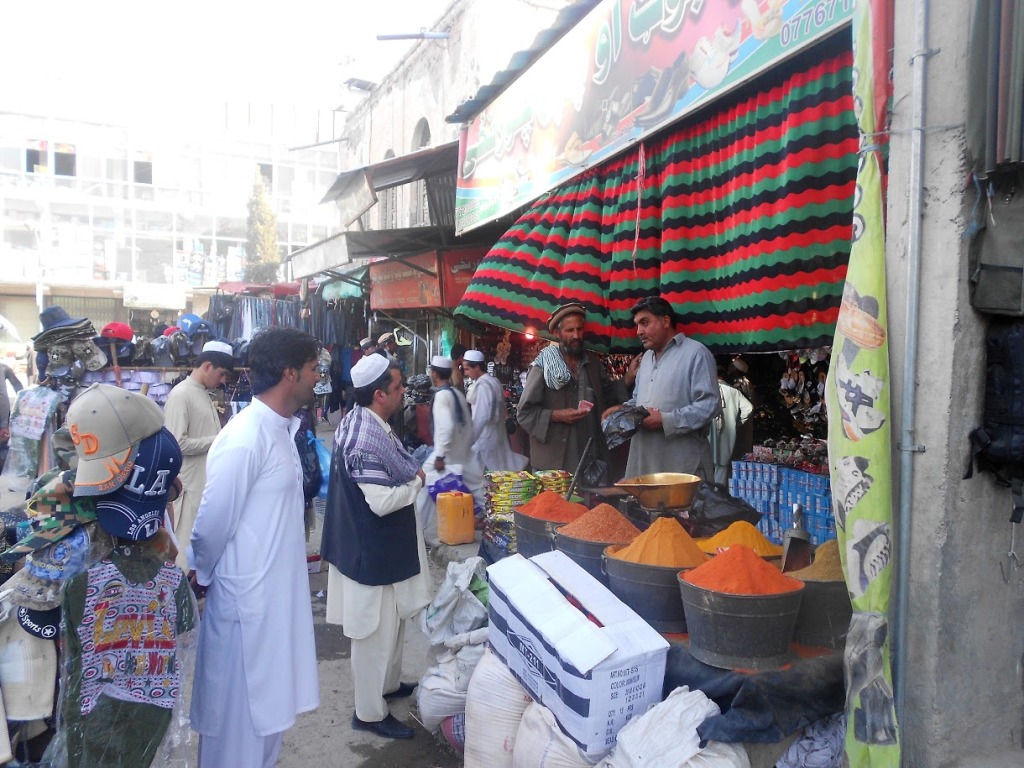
x: 744, y: 223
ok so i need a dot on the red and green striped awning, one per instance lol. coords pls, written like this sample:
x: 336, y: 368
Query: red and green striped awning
x: 744, y: 224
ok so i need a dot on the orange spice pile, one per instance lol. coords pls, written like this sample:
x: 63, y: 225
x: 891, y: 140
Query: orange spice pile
x: 665, y: 543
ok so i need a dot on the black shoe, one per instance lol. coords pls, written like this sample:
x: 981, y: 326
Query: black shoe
x: 388, y: 728
x: 403, y: 690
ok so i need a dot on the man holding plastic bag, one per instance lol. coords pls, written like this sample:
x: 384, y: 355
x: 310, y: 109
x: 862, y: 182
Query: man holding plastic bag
x: 453, y: 448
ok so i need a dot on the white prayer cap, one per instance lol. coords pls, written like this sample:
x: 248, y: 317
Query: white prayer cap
x: 473, y: 356
x: 366, y: 343
x: 368, y: 370
x: 385, y: 337
x: 440, y: 361
x: 218, y: 346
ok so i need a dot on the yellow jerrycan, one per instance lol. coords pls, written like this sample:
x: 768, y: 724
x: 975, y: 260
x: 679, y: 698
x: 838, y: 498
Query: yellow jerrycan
x: 455, y: 521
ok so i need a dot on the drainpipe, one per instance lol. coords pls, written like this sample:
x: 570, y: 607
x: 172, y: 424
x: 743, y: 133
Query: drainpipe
x: 907, y: 444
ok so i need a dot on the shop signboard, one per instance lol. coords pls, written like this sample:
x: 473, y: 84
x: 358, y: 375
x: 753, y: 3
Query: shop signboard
x: 400, y: 285
x: 457, y: 270
x: 630, y: 68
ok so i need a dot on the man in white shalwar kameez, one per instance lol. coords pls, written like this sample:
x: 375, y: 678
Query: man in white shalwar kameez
x: 256, y: 668
x: 192, y: 418
x: 378, y: 575
x: 453, y: 445
x: 487, y: 398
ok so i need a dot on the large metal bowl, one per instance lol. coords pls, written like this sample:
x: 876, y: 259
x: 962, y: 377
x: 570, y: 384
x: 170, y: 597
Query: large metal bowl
x: 669, y: 489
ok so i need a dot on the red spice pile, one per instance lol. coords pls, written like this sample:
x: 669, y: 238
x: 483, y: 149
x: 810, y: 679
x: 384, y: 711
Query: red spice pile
x: 552, y: 507
x: 739, y: 570
x: 604, y: 523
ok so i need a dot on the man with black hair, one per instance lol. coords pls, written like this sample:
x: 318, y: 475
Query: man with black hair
x: 677, y: 383
x: 378, y: 576
x: 458, y: 373
x: 256, y: 668
x: 192, y: 418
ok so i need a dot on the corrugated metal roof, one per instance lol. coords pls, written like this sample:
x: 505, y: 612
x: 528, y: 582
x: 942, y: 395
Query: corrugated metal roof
x: 395, y: 171
x: 567, y: 18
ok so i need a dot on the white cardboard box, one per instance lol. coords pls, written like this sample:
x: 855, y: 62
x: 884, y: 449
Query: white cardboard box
x: 594, y: 678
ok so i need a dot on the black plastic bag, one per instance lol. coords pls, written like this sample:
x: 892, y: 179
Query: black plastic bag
x: 715, y: 510
x: 622, y: 423
x: 312, y: 477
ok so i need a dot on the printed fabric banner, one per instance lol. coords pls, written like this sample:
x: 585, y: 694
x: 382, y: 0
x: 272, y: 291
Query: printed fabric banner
x: 627, y: 70
x: 739, y: 218
x: 859, y: 437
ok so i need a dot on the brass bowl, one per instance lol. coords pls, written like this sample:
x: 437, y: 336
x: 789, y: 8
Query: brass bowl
x: 671, y: 489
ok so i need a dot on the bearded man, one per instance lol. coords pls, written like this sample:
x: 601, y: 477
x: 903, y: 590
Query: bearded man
x: 566, y: 390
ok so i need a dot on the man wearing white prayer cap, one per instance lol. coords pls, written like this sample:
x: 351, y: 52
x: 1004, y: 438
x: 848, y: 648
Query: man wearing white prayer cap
x: 487, y: 399
x: 453, y: 443
x: 378, y: 576
x: 193, y: 419
x: 368, y: 346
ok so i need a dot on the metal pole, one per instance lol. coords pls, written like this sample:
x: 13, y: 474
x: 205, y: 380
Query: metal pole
x: 907, y: 445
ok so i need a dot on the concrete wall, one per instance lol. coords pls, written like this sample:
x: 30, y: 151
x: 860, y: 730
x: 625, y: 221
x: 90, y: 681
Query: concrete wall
x: 966, y: 622
x: 435, y: 78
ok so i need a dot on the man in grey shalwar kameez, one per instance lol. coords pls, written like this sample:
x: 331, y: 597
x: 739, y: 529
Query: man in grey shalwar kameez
x: 677, y: 383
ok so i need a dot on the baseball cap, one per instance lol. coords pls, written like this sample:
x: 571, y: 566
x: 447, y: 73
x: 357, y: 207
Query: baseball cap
x: 37, y: 585
x: 115, y: 330
x: 55, y: 515
x: 42, y: 624
x: 107, y: 423
x: 28, y: 667
x: 136, y: 509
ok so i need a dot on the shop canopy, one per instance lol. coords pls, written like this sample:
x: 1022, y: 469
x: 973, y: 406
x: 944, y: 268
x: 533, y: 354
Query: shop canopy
x: 744, y: 223
x: 355, y: 192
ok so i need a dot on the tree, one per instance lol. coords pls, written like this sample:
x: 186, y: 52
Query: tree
x: 261, y: 255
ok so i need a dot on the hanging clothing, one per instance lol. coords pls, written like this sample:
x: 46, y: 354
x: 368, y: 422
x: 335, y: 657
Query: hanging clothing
x: 124, y: 620
x: 192, y: 418
x: 736, y: 410
x: 249, y: 547
x: 490, y: 440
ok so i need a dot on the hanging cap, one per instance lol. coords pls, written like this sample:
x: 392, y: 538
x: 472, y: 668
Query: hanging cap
x: 107, y: 424
x: 136, y: 509
x: 440, y: 361
x: 572, y: 308
x: 368, y: 370
x: 473, y: 356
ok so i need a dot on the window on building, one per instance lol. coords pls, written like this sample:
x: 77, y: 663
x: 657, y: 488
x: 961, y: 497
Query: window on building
x: 267, y: 173
x: 143, y: 172
x: 388, y: 201
x: 64, y: 161
x: 35, y: 160
x: 420, y: 211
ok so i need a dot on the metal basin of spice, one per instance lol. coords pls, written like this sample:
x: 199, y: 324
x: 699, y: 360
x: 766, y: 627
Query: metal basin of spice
x: 669, y: 489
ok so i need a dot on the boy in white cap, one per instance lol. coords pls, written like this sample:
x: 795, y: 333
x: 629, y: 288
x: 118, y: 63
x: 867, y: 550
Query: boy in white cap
x: 193, y: 419
x: 487, y: 396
